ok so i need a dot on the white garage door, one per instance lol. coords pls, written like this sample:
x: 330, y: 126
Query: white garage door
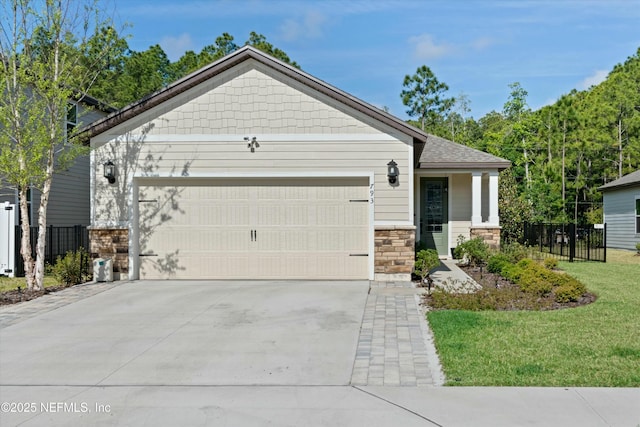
x: 254, y: 229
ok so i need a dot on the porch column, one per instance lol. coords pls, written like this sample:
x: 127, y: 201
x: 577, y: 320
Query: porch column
x: 476, y: 198
x: 494, y: 218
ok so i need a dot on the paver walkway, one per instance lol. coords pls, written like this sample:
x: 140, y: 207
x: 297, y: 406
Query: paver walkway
x: 395, y: 347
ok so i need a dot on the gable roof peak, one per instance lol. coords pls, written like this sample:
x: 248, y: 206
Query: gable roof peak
x: 231, y: 60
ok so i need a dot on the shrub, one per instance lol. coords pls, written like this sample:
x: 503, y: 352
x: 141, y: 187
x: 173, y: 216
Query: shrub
x: 571, y: 291
x: 73, y: 268
x: 535, y: 279
x: 497, y: 262
x: 426, y: 260
x: 638, y: 247
x: 475, y: 251
x: 515, y: 251
x: 533, y: 282
x: 509, y: 298
x: 453, y: 301
x: 550, y: 263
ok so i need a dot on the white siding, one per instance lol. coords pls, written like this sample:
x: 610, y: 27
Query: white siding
x: 619, y: 215
x: 460, y: 209
x: 201, y: 133
x: 485, y: 198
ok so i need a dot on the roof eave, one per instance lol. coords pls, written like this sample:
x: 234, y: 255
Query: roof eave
x: 464, y: 165
x: 619, y: 186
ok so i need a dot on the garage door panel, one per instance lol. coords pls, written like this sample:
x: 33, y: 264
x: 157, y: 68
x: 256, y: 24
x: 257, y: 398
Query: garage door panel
x: 255, y: 229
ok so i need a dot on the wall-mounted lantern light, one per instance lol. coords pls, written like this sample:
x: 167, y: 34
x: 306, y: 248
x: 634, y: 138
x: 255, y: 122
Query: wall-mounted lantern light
x: 392, y: 172
x: 110, y: 172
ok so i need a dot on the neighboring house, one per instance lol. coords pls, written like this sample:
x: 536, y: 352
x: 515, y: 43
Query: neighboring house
x: 621, y: 200
x: 69, y: 201
x: 250, y: 168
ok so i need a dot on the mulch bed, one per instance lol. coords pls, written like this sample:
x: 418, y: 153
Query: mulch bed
x: 512, y: 297
x: 20, y: 295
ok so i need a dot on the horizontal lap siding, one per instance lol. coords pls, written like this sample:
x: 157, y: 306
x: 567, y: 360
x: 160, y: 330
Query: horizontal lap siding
x: 619, y: 214
x: 460, y: 212
x: 391, y: 204
x: 253, y: 100
x: 69, y: 199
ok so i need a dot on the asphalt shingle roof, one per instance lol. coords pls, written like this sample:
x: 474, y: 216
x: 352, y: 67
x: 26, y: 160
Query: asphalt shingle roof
x: 441, y: 153
x: 630, y: 179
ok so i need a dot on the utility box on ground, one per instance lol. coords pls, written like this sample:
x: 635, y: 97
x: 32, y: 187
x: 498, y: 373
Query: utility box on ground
x: 103, y: 270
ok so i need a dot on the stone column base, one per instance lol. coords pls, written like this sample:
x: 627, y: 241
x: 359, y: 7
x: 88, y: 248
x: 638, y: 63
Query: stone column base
x: 111, y: 243
x: 394, y: 252
x: 490, y: 235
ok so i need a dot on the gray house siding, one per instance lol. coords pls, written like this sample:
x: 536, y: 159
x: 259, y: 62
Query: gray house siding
x: 620, y: 216
x: 69, y: 199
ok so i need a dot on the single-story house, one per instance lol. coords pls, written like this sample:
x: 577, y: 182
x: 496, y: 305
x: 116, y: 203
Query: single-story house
x: 621, y: 201
x: 251, y: 168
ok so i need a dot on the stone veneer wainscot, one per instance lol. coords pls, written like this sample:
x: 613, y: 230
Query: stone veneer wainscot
x: 490, y: 235
x: 394, y: 252
x: 111, y: 243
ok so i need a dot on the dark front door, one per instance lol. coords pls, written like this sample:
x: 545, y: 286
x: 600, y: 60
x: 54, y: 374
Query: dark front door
x: 434, y: 214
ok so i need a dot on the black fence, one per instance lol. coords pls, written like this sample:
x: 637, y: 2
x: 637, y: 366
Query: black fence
x: 568, y: 242
x: 60, y: 240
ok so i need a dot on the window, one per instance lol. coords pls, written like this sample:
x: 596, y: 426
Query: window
x: 72, y: 117
x: 637, y: 215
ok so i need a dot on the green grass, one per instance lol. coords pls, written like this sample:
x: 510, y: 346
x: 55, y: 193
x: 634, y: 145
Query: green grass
x: 12, y: 283
x: 596, y: 345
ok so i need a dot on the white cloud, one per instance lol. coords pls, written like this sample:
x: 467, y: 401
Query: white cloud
x: 175, y: 47
x: 426, y: 48
x: 309, y: 26
x: 596, y: 78
x: 482, y: 43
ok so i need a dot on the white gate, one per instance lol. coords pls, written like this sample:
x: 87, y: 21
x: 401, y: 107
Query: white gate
x: 7, y: 239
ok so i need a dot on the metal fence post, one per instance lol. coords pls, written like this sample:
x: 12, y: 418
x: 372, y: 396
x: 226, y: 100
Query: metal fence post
x: 572, y: 242
x: 604, y: 241
x: 589, y: 231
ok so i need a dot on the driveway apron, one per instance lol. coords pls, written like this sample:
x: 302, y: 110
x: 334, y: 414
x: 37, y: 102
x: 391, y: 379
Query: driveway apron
x: 192, y: 333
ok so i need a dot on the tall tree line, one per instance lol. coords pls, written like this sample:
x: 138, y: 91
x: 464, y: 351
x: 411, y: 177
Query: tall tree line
x: 561, y: 153
x: 130, y: 75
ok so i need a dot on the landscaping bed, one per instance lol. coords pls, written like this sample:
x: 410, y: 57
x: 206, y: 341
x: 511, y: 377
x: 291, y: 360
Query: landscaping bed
x: 22, y: 294
x: 499, y: 293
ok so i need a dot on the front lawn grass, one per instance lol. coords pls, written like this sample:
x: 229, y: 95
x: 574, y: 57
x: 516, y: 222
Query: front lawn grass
x: 12, y: 283
x: 597, y: 345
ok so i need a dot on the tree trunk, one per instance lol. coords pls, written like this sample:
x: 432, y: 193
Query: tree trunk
x: 25, y: 242
x: 44, y: 203
x: 526, y: 164
x: 564, y: 182
x: 620, y: 159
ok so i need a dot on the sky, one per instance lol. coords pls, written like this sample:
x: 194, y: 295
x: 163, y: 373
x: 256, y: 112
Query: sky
x: 476, y: 47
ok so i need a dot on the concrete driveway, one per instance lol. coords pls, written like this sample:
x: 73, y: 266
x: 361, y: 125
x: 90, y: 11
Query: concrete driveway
x: 192, y: 333
x: 250, y: 354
